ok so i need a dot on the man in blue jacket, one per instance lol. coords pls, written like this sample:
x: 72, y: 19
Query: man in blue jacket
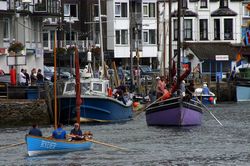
x: 35, y: 131
x: 59, y: 133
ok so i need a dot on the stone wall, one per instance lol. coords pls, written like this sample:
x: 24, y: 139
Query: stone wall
x: 21, y: 112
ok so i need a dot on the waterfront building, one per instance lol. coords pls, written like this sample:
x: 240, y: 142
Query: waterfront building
x: 22, y: 21
x: 211, y: 33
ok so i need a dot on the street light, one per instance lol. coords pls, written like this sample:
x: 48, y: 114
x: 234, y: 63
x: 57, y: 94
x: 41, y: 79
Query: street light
x: 70, y: 21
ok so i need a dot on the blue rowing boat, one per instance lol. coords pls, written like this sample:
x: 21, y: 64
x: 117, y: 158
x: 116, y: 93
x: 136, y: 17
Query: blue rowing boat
x: 41, y: 145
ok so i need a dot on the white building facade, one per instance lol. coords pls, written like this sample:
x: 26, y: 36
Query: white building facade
x: 131, y: 27
x: 204, y: 21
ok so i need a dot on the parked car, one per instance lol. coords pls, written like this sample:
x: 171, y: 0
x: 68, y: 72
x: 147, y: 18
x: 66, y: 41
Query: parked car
x: 49, y: 73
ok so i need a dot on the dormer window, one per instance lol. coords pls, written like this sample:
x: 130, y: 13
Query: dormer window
x: 184, y: 4
x: 223, y: 3
x: 203, y: 4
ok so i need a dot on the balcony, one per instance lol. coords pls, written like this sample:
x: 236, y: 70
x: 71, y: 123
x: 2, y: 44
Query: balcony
x: 46, y: 7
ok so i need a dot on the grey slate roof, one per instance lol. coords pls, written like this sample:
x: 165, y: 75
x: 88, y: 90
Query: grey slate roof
x: 207, y: 51
x: 223, y: 12
x: 187, y: 13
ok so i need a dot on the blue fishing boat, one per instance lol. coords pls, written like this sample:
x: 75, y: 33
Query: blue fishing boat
x: 206, y: 99
x: 41, y: 145
x: 97, y: 105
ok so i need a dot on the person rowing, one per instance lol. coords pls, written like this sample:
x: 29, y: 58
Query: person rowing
x: 76, y: 132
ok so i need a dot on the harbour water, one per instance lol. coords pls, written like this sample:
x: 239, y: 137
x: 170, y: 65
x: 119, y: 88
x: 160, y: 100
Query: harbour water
x: 208, y: 144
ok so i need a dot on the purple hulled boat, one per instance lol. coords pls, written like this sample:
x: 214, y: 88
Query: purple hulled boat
x: 174, y: 112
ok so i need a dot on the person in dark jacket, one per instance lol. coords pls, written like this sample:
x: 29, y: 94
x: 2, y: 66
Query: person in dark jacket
x: 76, y: 132
x: 39, y: 76
x: 35, y: 131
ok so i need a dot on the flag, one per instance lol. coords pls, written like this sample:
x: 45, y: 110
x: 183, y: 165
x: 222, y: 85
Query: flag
x: 238, y: 59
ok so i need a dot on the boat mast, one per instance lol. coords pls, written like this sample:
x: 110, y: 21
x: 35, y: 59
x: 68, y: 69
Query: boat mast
x: 170, y: 41
x: 101, y: 42
x: 55, y: 78
x: 164, y: 40
x: 179, y: 46
x: 78, y: 86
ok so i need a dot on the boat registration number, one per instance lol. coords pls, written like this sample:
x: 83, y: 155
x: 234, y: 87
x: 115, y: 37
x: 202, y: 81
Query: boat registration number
x: 48, y: 145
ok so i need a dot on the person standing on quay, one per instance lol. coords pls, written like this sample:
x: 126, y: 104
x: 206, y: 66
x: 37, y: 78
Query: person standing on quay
x: 33, y: 77
x: 22, y: 78
x: 39, y: 76
x: 27, y: 77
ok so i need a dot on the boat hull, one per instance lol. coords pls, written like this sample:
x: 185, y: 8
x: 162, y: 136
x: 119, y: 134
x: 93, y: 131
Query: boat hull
x: 243, y: 92
x: 41, y: 145
x: 174, y: 112
x: 95, y: 108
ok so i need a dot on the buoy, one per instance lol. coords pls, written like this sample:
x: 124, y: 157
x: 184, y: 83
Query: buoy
x: 110, y: 92
x: 135, y: 104
x: 211, y: 99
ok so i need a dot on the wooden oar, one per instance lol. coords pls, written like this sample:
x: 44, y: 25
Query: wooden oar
x: 200, y: 102
x: 101, y: 143
x: 209, y: 111
x: 136, y: 117
x: 12, y: 145
x: 105, y: 144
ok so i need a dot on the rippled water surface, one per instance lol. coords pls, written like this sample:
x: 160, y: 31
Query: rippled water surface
x: 208, y: 144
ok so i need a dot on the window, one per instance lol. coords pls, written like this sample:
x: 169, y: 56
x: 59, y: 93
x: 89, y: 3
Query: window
x: 152, y: 35
x: 187, y: 29
x: 175, y: 30
x: 96, y: 10
x: 6, y: 29
x: 71, y: 10
x: 121, y: 36
x: 70, y: 41
x: 216, y: 29
x: 46, y: 39
x: 203, y: 29
x: 184, y: 4
x: 121, y: 9
x: 228, y: 29
x: 223, y: 3
x: 203, y: 4
x: 97, y: 87
x: 145, y: 36
x: 117, y: 37
x: 148, y: 9
x: 149, y: 36
x: 124, y: 36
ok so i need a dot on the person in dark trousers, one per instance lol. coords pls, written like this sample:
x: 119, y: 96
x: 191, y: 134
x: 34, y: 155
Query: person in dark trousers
x: 76, y: 132
x: 35, y: 131
x: 27, y: 77
x: 59, y: 133
x: 39, y: 77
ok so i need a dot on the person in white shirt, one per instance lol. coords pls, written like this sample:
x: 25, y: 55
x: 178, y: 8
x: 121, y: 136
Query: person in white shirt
x: 22, y: 78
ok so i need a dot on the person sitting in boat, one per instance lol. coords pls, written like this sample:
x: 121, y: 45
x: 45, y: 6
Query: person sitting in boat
x: 183, y: 88
x: 119, y: 93
x: 76, y: 132
x: 160, y: 86
x: 35, y: 131
x: 59, y: 133
x: 205, y: 89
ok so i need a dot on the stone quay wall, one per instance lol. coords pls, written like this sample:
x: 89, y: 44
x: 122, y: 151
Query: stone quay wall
x: 21, y: 112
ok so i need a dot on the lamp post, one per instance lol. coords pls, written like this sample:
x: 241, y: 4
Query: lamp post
x: 72, y: 60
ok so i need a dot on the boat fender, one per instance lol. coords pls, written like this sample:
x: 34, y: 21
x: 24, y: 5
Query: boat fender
x: 110, y: 92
